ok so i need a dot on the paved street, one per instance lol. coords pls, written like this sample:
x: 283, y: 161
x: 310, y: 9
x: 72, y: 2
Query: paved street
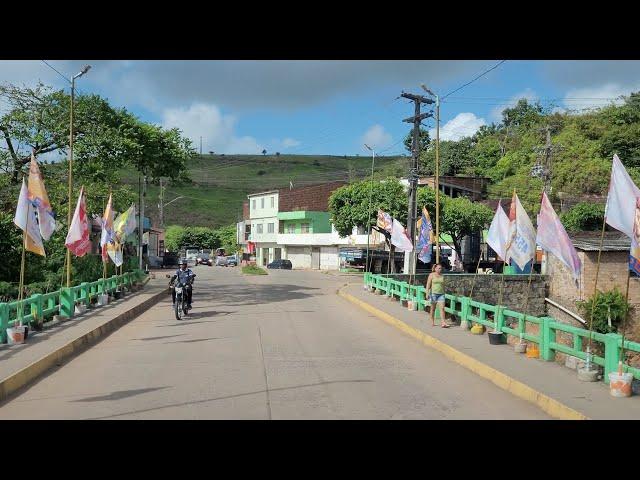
x: 282, y: 346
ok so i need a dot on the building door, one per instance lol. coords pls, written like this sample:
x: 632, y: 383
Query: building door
x: 278, y: 254
x: 315, y: 258
x: 265, y: 257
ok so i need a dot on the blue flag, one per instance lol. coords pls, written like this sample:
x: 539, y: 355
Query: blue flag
x: 425, y: 237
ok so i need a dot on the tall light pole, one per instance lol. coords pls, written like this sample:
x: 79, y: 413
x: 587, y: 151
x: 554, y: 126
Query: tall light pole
x: 437, y: 182
x: 84, y: 70
x: 373, y: 159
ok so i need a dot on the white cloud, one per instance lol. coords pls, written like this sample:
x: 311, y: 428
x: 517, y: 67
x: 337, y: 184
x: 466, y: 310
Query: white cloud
x: 376, y: 137
x: 462, y: 125
x: 290, y: 142
x: 216, y: 129
x: 591, y: 97
x: 496, y: 113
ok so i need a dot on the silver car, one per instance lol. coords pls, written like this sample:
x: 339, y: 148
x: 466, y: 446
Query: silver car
x: 221, y: 261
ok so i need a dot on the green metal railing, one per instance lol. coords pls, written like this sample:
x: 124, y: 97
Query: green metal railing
x: 515, y: 324
x: 41, y: 307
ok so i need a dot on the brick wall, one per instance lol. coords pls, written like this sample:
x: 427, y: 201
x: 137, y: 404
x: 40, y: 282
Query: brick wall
x: 245, y: 210
x: 313, y: 198
x: 487, y: 289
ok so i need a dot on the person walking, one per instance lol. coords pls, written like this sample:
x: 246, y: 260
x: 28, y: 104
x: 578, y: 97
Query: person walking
x: 435, y: 292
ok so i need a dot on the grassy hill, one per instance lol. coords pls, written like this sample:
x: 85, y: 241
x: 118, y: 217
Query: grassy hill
x: 222, y: 182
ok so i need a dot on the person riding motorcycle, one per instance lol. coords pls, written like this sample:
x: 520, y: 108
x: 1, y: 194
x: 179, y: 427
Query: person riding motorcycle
x: 185, y: 276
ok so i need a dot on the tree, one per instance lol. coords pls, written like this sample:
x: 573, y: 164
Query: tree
x: 226, y: 237
x: 349, y: 205
x: 264, y: 152
x: 211, y: 152
x: 461, y: 217
x: 423, y: 140
x: 583, y: 217
x: 105, y: 138
x: 456, y: 157
x: 277, y: 154
x: 523, y: 114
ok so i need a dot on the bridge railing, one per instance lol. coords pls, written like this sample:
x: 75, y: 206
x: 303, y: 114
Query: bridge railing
x: 518, y: 324
x: 41, y: 307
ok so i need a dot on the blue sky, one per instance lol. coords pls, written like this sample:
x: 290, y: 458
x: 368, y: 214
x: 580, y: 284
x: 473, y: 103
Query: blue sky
x: 327, y: 107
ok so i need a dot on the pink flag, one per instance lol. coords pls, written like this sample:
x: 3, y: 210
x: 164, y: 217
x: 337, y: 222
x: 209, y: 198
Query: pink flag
x: 78, y: 237
x: 400, y: 238
x: 553, y: 238
x: 621, y: 205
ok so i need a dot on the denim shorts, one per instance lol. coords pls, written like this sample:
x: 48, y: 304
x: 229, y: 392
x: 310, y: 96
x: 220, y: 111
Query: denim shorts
x: 436, y: 297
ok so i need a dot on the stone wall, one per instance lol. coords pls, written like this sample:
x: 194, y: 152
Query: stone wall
x: 487, y: 289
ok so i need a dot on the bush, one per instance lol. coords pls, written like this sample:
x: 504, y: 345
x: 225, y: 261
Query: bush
x: 583, y: 216
x: 607, y: 304
x: 253, y: 270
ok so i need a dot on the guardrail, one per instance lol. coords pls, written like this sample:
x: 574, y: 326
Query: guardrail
x: 515, y: 324
x: 41, y: 307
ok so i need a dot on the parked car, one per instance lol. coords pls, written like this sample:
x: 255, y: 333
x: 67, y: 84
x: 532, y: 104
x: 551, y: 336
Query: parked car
x: 281, y: 264
x: 232, y: 261
x: 204, y: 259
x: 221, y: 262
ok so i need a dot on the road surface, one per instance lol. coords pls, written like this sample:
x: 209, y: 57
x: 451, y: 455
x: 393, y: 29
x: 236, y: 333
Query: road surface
x: 281, y: 346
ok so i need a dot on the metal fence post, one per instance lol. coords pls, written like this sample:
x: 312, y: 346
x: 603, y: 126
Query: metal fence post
x: 67, y: 306
x: 547, y: 336
x: 611, y: 354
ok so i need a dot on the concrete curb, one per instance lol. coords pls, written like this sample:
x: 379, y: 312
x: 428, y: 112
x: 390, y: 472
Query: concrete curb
x: 28, y: 374
x: 549, y: 405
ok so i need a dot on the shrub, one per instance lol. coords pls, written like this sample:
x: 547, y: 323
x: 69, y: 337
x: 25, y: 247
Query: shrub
x: 607, y: 304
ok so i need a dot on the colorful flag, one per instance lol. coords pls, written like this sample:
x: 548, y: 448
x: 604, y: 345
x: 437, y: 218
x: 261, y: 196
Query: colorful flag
x: 78, y: 240
x: 108, y: 234
x: 400, y: 238
x: 384, y: 221
x: 115, y: 252
x: 125, y: 224
x: 553, y: 238
x: 498, y: 235
x: 634, y: 256
x: 620, y: 209
x: 425, y: 237
x: 38, y: 195
x: 521, y: 246
x: 25, y: 219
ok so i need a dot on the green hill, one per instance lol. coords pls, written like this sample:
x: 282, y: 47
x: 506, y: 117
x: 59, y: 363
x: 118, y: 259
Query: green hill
x: 220, y: 183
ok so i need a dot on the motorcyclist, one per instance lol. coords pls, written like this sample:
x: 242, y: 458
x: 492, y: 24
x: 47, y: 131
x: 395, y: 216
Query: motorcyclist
x: 185, y: 276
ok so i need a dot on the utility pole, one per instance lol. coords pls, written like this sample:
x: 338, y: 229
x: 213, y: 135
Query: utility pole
x: 201, y: 145
x: 543, y: 169
x: 410, y: 260
x: 161, y: 204
x: 143, y: 193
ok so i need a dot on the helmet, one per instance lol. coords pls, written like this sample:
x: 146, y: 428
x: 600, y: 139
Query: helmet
x: 183, y: 262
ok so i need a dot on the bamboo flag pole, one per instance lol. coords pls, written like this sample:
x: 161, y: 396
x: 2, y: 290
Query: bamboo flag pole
x: 473, y: 284
x: 595, y: 291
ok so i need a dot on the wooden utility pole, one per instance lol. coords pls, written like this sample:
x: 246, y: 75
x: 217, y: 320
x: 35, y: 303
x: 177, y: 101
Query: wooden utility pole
x: 413, y: 171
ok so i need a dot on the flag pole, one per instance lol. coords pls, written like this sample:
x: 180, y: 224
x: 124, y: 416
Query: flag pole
x: 22, y: 265
x: 595, y: 291
x: 624, y: 323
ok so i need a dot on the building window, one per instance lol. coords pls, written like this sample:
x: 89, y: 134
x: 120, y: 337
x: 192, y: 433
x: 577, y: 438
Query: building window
x: 262, y: 202
x: 259, y: 228
x: 304, y: 228
x: 270, y: 228
x: 273, y: 202
x: 291, y: 228
x: 254, y: 204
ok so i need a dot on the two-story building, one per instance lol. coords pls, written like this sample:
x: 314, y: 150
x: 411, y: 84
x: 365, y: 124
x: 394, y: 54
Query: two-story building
x: 263, y: 225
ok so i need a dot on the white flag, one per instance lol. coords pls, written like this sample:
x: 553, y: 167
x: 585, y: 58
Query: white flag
x: 499, y: 232
x: 399, y: 238
x: 25, y: 219
x: 521, y: 247
x: 620, y: 209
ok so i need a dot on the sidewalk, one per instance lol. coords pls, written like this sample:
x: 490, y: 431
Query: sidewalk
x: 22, y: 364
x: 547, y: 378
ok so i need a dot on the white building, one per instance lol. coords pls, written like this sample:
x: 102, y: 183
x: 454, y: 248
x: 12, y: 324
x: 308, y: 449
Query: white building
x: 263, y: 218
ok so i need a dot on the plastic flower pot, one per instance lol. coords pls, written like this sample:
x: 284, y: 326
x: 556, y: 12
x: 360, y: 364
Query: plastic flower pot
x: 16, y: 335
x: 520, y: 347
x: 496, y: 338
x: 477, y: 329
x: 533, y: 351
x: 103, y: 299
x: 620, y: 384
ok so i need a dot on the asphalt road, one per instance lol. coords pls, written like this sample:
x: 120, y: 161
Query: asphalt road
x: 281, y: 346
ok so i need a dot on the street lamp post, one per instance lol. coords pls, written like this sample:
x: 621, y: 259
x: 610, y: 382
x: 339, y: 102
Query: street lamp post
x: 84, y: 70
x: 373, y: 159
x: 437, y: 182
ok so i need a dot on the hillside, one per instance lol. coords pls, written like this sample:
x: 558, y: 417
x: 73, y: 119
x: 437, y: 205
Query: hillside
x: 222, y: 182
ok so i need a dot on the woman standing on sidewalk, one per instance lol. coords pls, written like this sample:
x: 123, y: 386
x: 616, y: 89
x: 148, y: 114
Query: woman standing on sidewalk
x: 435, y: 292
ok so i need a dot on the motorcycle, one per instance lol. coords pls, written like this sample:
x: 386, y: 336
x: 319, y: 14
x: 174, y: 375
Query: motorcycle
x: 180, y: 305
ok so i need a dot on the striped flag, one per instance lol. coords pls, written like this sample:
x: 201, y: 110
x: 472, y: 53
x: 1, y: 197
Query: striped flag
x: 107, y: 236
x: 425, y: 237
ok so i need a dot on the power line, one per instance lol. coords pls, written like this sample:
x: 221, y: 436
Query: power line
x: 479, y: 76
x: 52, y: 68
